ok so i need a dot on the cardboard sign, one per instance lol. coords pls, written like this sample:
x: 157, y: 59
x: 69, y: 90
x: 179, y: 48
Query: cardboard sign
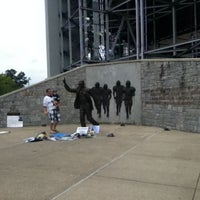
x: 14, y: 121
x: 95, y: 128
x: 82, y: 130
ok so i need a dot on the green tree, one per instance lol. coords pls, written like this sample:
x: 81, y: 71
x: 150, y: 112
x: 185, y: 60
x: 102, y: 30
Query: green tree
x: 10, y: 81
x: 20, y: 78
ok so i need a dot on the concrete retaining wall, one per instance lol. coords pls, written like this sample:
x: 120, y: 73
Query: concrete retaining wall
x: 167, y: 94
x: 111, y: 73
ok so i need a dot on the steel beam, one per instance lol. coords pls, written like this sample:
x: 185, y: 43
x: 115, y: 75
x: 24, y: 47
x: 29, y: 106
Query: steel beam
x: 139, y: 23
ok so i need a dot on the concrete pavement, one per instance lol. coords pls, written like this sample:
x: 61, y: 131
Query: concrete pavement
x: 139, y: 163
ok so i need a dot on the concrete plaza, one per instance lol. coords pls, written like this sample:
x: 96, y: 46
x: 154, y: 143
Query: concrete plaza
x: 139, y: 163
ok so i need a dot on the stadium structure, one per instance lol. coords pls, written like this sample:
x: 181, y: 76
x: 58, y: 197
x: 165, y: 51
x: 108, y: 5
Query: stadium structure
x: 96, y: 31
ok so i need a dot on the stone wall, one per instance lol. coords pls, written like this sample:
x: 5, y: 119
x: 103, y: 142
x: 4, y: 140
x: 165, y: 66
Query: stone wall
x: 167, y: 94
x: 171, y: 94
x: 28, y: 101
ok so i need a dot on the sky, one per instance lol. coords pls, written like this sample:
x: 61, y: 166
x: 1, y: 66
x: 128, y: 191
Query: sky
x: 23, y: 38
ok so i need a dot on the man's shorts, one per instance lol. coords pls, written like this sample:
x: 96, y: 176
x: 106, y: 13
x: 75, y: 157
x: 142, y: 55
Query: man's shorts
x: 54, y: 116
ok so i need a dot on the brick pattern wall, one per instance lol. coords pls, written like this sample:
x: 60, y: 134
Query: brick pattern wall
x: 168, y: 94
x: 28, y: 101
x: 171, y: 94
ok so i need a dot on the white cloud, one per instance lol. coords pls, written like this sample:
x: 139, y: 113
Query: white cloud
x: 23, y: 38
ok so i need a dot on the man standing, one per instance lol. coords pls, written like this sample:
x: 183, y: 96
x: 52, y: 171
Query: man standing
x: 83, y: 102
x: 50, y: 109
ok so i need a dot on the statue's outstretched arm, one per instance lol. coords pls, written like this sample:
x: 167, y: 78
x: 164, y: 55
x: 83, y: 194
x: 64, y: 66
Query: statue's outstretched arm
x: 67, y: 86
